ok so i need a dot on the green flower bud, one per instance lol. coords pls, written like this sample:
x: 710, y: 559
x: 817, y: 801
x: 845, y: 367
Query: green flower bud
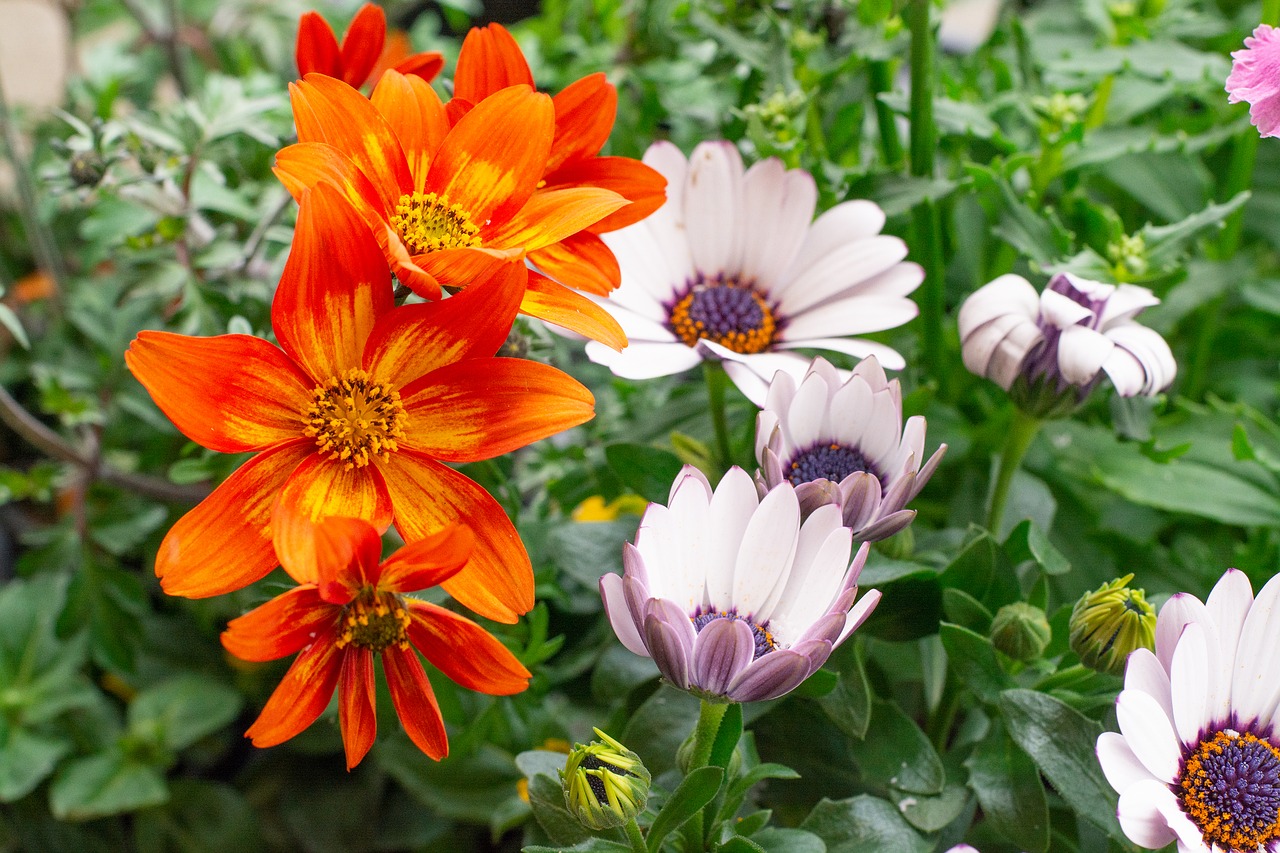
x: 1020, y: 630
x: 86, y: 169
x: 605, y: 785
x: 1110, y: 622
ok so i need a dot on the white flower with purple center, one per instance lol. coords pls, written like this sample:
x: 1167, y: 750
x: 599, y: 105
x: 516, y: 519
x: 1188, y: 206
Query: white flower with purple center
x: 1049, y: 350
x: 734, y: 598
x: 842, y: 442
x: 733, y: 267
x: 1197, y: 759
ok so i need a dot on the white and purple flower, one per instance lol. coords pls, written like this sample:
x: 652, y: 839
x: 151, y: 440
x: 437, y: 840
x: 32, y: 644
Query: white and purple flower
x: 842, y: 442
x: 734, y: 598
x: 1197, y: 758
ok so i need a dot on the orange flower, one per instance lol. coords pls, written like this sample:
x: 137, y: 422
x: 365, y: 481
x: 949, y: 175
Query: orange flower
x: 351, y: 413
x: 349, y: 608
x: 447, y: 203
x: 491, y: 60
x: 366, y: 50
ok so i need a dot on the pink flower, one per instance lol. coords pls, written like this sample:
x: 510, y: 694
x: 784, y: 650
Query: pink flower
x: 1255, y: 77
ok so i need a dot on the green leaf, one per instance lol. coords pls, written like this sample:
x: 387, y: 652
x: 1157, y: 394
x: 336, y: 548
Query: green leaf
x: 739, y: 844
x: 534, y: 761
x: 26, y: 760
x: 775, y: 839
x: 658, y: 727
x: 105, y: 784
x: 182, y: 710
x: 11, y: 322
x: 1010, y: 791
x: 200, y: 817
x: 930, y: 814
x: 1028, y: 542
x: 849, y: 704
x: 591, y: 845
x: 863, y: 824
x: 727, y: 736
x: 973, y: 568
x: 899, y: 754
x: 546, y: 798
x: 1165, y: 243
x: 694, y: 791
x: 588, y: 549
x: 112, y: 603
x: 648, y: 471
x: 974, y: 660
x: 963, y: 609
x: 758, y: 774
x: 1062, y: 741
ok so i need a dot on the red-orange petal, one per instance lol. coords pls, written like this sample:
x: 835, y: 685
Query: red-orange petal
x: 585, y: 111
x: 426, y: 65
x: 224, y: 542
x: 362, y: 45
x: 484, y: 407
x: 581, y: 261
x: 493, y: 158
x: 558, y: 305
x: 328, y: 110
x: 490, y: 60
x: 497, y: 581
x: 317, y: 47
x: 304, y: 164
x: 230, y: 393
x: 334, y: 288
x: 461, y: 267
x: 283, y: 626
x: 413, y: 340
x: 302, y: 694
x: 464, y: 651
x: 552, y: 215
x: 642, y: 185
x: 356, y: 715
x: 428, y: 562
x: 415, y: 701
x: 413, y: 108
x: 338, y: 555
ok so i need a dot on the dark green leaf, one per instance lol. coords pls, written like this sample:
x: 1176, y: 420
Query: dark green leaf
x: 863, y: 824
x: 200, y: 817
x: 1028, y: 542
x: 1010, y: 791
x: 963, y: 609
x: 694, y: 791
x: 26, y: 759
x: 899, y: 755
x: 930, y: 814
x: 182, y: 710
x: 849, y: 704
x: 974, y: 660
x: 546, y: 798
x: 648, y: 471
x: 586, y: 550
x: 105, y: 784
x: 776, y: 839
x: 727, y: 736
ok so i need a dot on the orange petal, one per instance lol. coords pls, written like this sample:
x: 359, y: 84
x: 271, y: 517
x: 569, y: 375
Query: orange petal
x: 425, y: 65
x: 560, y: 306
x: 413, y: 340
x: 224, y: 542
x: 302, y: 695
x: 464, y: 651
x: 484, y: 407
x: 415, y: 701
x: 413, y: 108
x: 490, y: 60
x: 334, y: 287
x: 428, y: 562
x: 580, y: 261
x: 356, y: 716
x: 328, y: 110
x: 317, y: 47
x: 643, y: 186
x: 362, y: 45
x: 321, y: 488
x: 493, y: 158
x: 552, y: 215
x: 304, y: 164
x: 497, y: 581
x: 281, y: 627
x: 456, y: 108
x: 585, y: 111
x: 460, y: 267
x: 229, y: 393
x: 338, y: 555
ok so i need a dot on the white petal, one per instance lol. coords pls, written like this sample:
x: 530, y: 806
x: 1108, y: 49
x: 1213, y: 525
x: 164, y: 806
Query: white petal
x: 845, y: 223
x: 1228, y: 605
x: 1062, y: 311
x: 615, y: 606
x: 850, y: 315
x: 1008, y: 294
x: 1121, y: 767
x: 888, y: 357
x: 767, y: 549
x: 1081, y: 354
x: 769, y: 429
x: 1142, y: 811
x: 760, y: 368
x: 1180, y: 609
x: 814, y: 532
x: 653, y: 269
x: 1143, y: 671
x: 658, y: 541
x: 732, y: 507
x: 882, y: 432
x: 813, y: 587
x: 1149, y: 733
x: 1254, y: 686
x: 841, y: 270
x: 899, y: 280
x: 1151, y: 351
x: 749, y: 381
x: 851, y: 409
x: 1127, y: 301
x: 1125, y: 372
x: 808, y: 413
x: 690, y: 514
x: 859, y: 613
x: 644, y: 360
x: 778, y: 205
x: 1192, y: 684
x: 713, y: 207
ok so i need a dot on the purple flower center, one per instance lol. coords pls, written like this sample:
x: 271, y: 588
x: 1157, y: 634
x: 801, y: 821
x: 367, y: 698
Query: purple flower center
x: 1230, y: 788
x: 721, y: 310
x: 764, y: 640
x: 831, y: 462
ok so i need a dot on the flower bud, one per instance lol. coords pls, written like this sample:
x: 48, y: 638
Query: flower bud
x: 1109, y: 623
x: 1020, y: 630
x: 605, y: 784
x: 86, y: 169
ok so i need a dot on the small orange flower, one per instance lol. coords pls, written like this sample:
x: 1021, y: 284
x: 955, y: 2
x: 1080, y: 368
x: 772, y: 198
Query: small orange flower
x: 354, y: 413
x: 447, y: 203
x: 366, y: 52
x: 349, y: 608
x: 491, y: 60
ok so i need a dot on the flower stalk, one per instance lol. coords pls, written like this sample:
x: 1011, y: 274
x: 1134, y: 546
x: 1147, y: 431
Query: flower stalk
x: 1021, y: 433
x: 717, y: 380
x: 926, y: 223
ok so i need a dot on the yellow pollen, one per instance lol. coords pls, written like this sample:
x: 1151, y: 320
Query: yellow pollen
x: 374, y: 621
x: 428, y: 223
x: 354, y: 419
x: 1238, y: 809
x: 730, y: 314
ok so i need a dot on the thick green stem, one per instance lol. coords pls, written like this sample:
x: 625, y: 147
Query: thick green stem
x: 635, y: 838
x: 1021, y: 433
x: 717, y: 382
x: 926, y: 222
x: 704, y: 734
x: 924, y: 135
x: 881, y: 79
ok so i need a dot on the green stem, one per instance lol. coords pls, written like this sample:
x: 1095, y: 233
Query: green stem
x: 633, y: 835
x: 924, y: 135
x: 926, y: 222
x: 1021, y: 433
x: 944, y: 716
x: 881, y: 79
x: 704, y: 734
x: 717, y: 381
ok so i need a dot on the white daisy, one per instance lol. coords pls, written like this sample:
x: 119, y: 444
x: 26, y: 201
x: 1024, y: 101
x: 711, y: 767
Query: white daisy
x: 1197, y: 759
x: 734, y: 267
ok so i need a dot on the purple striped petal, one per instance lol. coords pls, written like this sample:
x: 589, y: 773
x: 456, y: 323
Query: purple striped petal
x: 861, y: 493
x: 771, y: 676
x: 722, y: 650
x: 927, y: 471
x: 885, y: 527
x: 669, y: 635
x: 615, y: 607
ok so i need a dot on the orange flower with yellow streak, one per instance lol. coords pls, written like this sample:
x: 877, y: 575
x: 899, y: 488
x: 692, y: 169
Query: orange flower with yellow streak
x: 448, y: 202
x: 349, y: 608
x: 585, y: 110
x: 355, y: 412
x: 367, y: 49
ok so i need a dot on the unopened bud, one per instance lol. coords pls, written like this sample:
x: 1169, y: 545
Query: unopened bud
x: 1109, y: 623
x: 1021, y: 631
x: 605, y: 784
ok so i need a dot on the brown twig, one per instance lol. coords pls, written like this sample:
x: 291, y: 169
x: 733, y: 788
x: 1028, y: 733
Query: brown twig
x: 167, y: 38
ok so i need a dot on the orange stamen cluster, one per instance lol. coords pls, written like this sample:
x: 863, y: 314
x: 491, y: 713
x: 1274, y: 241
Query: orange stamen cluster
x: 374, y: 621
x: 727, y: 313
x: 428, y: 223
x: 1230, y: 788
x: 355, y: 418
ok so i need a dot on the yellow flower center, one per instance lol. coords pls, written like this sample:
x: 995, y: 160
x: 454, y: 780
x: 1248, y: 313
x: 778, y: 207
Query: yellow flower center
x: 1230, y: 788
x: 731, y: 314
x: 428, y: 223
x: 355, y: 418
x: 374, y: 621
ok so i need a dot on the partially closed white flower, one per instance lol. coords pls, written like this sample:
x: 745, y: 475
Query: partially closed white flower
x: 1050, y: 349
